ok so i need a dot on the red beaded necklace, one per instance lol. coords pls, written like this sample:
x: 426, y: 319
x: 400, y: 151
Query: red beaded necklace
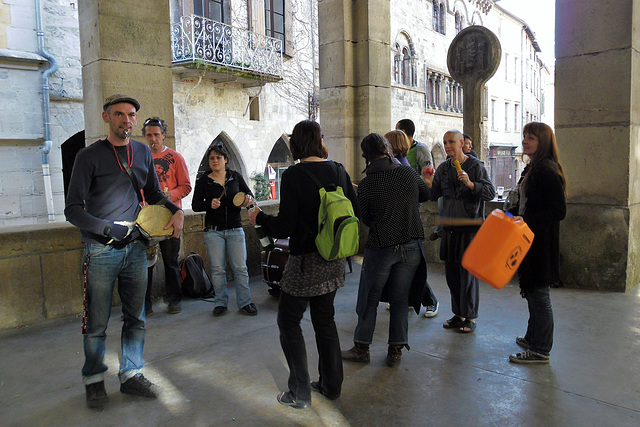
x: 129, y: 157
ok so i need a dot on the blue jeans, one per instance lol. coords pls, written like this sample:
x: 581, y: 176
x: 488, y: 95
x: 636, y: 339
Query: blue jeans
x: 103, y: 265
x: 394, y: 268
x: 290, y: 311
x: 221, y: 244
x: 540, y: 328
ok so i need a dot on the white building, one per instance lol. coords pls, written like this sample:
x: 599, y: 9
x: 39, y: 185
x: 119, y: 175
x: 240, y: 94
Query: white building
x: 233, y: 84
x: 424, y: 91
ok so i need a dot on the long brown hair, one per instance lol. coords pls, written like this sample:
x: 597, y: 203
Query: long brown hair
x: 547, y: 147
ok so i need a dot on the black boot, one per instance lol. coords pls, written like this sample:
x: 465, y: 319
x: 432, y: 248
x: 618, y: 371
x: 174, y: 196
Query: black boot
x: 96, y: 395
x: 394, y: 354
x: 358, y: 353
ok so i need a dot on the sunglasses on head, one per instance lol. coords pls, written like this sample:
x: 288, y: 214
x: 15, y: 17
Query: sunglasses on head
x: 153, y: 122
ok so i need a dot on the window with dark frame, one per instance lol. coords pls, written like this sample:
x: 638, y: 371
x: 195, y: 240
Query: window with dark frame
x: 406, y: 67
x: 211, y: 9
x: 439, y: 17
x: 274, y: 19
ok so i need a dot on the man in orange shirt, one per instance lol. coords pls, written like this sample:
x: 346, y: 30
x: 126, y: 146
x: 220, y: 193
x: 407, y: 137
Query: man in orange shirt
x: 174, y: 182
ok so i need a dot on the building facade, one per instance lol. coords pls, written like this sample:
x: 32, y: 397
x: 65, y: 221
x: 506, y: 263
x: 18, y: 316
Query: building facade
x: 244, y: 72
x: 423, y: 89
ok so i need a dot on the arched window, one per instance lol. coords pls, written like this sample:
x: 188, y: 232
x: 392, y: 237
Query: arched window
x: 397, y: 64
x: 438, y: 16
x: 279, y: 160
x: 406, y: 67
x: 234, y: 162
x: 458, y: 22
x: 404, y: 60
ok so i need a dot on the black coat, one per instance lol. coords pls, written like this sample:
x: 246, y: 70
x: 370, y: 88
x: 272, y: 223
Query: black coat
x: 227, y: 215
x: 545, y: 207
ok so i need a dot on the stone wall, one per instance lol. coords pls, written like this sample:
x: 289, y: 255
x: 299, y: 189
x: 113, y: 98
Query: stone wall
x: 41, y: 265
x: 41, y: 268
x: 22, y: 198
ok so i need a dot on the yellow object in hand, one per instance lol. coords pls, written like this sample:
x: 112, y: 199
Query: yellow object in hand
x: 456, y: 163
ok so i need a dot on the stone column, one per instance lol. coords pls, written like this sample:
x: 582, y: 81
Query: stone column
x: 597, y: 122
x: 355, y: 76
x: 126, y: 48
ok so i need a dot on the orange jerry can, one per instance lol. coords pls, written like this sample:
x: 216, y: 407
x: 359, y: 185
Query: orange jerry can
x: 496, y: 251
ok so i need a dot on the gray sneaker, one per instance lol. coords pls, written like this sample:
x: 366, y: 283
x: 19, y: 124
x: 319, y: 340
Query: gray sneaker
x: 522, y: 343
x: 140, y: 386
x: 527, y: 357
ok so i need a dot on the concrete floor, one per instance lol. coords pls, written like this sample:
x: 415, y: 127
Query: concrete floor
x: 228, y: 370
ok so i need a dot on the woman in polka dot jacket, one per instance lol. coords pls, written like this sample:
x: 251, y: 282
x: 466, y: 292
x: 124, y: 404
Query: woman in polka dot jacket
x: 393, y: 252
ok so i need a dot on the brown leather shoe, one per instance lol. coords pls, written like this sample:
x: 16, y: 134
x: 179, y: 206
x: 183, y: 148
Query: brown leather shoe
x: 358, y: 353
x: 394, y: 354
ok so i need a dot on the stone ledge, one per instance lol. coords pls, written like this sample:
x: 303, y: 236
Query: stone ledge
x: 21, y: 59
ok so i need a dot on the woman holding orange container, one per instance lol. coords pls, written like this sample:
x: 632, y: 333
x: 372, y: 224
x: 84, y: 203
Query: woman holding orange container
x: 540, y: 200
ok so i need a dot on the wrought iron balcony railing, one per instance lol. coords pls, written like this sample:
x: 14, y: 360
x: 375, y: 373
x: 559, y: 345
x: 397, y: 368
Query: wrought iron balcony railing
x: 196, y: 39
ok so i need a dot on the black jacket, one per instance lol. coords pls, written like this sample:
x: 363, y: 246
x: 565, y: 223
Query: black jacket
x: 227, y: 215
x: 545, y: 207
x: 300, y: 203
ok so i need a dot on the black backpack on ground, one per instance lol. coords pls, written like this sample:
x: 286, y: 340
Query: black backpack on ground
x: 194, y: 280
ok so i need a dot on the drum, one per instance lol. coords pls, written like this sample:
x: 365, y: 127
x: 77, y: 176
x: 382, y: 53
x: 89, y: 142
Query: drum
x: 273, y: 263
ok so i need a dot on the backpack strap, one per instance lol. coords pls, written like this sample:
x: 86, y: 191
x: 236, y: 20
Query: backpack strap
x: 338, y: 166
x: 340, y: 175
x: 313, y: 177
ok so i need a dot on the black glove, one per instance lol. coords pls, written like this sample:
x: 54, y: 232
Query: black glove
x: 118, y: 232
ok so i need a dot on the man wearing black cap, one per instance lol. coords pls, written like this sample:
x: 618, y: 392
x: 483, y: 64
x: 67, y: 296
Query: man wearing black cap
x: 103, y: 201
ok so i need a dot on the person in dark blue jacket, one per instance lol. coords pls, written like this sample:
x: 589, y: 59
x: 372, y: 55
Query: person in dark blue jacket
x: 103, y: 202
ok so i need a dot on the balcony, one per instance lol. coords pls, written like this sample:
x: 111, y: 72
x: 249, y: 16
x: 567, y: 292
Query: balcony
x: 226, y: 53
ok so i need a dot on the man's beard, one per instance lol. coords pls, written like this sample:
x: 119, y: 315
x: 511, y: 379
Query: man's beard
x: 122, y: 133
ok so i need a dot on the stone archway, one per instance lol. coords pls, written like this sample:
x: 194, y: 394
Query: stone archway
x: 234, y: 158
x: 279, y: 160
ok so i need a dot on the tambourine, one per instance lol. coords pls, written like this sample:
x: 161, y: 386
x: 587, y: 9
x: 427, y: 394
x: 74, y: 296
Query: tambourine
x: 238, y: 200
x: 151, y: 222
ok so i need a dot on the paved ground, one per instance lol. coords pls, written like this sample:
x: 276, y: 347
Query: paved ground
x: 228, y: 370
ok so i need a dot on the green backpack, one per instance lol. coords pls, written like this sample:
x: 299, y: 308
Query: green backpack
x: 338, y: 227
